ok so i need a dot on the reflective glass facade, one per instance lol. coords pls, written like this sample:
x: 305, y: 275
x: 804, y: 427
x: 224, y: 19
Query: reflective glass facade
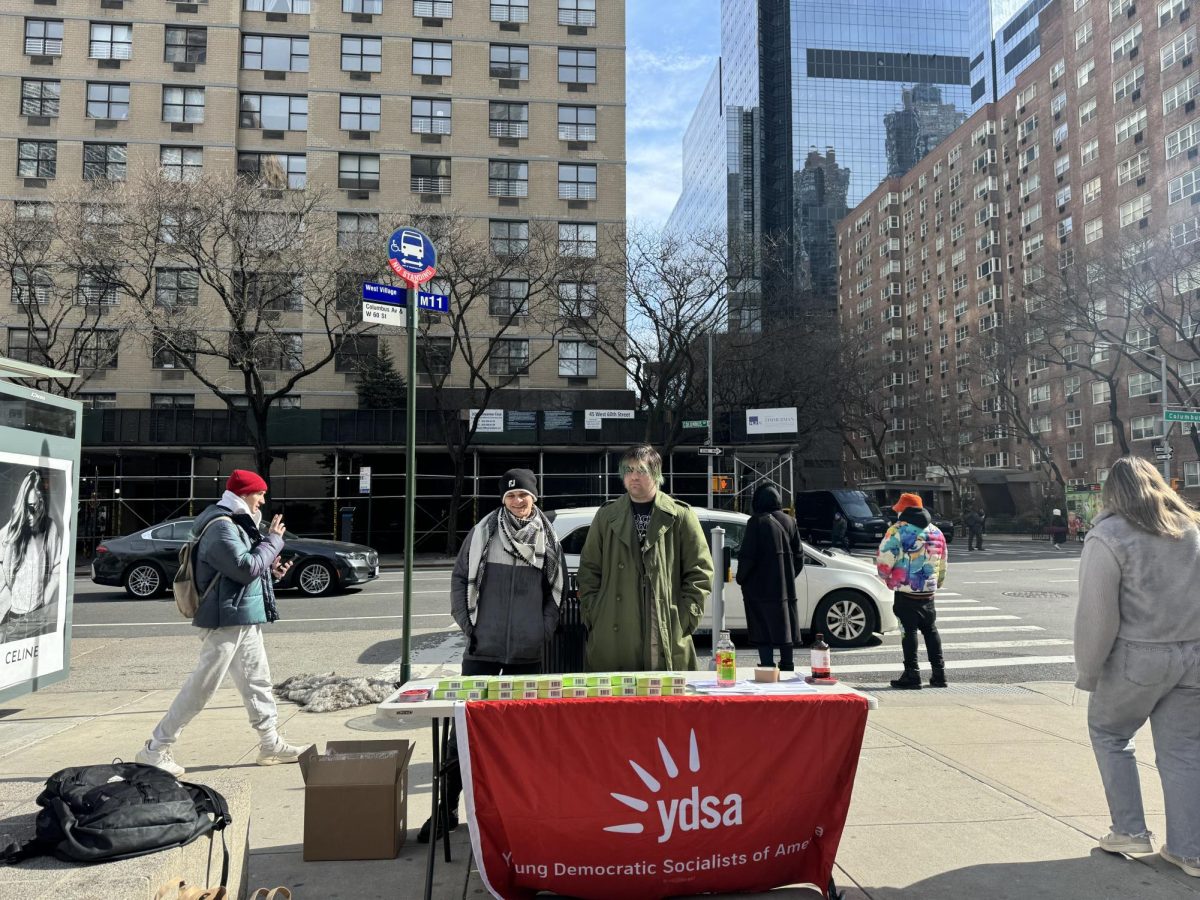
x: 704, y: 148
x: 988, y: 64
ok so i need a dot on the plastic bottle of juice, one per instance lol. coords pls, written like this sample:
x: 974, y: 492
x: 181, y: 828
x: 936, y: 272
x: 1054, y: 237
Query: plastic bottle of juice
x: 819, y: 658
x: 726, y: 658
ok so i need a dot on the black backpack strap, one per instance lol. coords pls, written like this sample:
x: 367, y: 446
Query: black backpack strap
x: 219, y: 807
x: 15, y: 853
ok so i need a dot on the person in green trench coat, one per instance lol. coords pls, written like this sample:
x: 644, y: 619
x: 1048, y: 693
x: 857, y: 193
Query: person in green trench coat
x: 644, y: 575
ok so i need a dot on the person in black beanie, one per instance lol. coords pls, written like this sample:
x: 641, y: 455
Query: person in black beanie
x: 505, y: 592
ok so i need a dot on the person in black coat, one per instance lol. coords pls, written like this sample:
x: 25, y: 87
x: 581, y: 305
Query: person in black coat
x: 770, y: 558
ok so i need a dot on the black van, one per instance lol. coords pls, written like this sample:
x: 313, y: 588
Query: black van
x: 815, y: 509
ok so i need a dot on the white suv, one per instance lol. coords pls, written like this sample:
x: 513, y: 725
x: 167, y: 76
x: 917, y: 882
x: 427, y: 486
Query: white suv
x: 838, y: 595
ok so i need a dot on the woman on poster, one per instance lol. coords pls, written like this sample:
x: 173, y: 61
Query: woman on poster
x: 30, y: 546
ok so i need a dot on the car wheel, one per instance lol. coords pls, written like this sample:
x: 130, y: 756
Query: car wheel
x: 846, y: 619
x: 144, y: 581
x: 315, y: 579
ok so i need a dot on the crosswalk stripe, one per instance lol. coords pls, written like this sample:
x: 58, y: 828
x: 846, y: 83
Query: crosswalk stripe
x: 1006, y: 662
x: 978, y: 618
x: 949, y: 608
x: 969, y: 646
x: 989, y: 629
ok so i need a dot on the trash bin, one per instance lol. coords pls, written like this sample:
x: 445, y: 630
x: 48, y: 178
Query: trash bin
x: 347, y: 520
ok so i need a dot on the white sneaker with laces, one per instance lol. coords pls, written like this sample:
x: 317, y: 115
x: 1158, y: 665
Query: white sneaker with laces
x: 161, y: 759
x: 1188, y: 867
x: 1115, y: 842
x: 282, y: 752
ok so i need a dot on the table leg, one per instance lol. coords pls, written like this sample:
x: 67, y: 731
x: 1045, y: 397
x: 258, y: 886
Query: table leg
x: 447, y: 730
x: 434, y: 817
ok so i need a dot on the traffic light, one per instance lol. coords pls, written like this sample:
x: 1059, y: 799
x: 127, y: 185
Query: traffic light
x: 720, y: 484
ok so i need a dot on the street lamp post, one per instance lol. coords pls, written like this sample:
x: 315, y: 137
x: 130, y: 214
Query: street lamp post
x: 710, y: 421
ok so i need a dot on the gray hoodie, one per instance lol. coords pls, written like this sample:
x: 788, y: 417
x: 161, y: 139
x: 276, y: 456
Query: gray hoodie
x: 1136, y: 586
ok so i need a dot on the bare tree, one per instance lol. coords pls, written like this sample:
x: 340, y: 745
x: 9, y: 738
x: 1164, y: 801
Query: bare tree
x: 237, y: 281
x: 65, y: 323
x: 505, y: 316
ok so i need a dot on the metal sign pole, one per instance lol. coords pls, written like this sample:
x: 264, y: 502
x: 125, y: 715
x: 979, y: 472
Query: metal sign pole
x: 718, y: 592
x: 410, y: 483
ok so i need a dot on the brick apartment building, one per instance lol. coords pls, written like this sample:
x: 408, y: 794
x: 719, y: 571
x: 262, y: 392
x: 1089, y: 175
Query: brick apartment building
x: 1015, y: 293
x: 507, y: 113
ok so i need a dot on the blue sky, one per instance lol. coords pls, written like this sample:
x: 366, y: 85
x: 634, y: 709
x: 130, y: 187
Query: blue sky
x: 672, y: 46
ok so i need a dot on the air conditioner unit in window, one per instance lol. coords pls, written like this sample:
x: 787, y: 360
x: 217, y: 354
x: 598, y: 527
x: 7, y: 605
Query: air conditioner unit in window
x: 1134, y: 96
x: 1139, y: 137
x: 1190, y: 106
x: 521, y: 370
x: 1193, y: 152
x: 1186, y: 61
x: 1133, y: 53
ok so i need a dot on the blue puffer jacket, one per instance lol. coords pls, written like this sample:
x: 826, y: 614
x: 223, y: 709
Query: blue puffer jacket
x: 243, y: 572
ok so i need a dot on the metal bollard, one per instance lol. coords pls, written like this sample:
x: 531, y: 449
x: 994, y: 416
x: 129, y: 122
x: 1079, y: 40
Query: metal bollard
x: 718, y: 592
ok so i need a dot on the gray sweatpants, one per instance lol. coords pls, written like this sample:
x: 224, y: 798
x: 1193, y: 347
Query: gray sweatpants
x: 239, y: 651
x: 1159, y: 682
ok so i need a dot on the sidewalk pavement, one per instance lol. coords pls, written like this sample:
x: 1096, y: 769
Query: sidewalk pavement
x: 986, y: 791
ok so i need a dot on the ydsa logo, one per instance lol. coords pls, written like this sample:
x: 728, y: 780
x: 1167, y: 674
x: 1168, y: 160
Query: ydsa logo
x: 680, y: 806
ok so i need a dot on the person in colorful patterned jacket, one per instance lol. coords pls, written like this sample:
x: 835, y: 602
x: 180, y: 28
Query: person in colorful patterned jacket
x: 912, y: 561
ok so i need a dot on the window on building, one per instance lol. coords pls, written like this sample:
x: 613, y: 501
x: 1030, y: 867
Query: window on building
x: 40, y: 97
x: 1135, y: 210
x: 1089, y: 152
x: 1071, y: 385
x: 1127, y: 42
x: 274, y: 112
x: 362, y: 54
x: 173, y: 401
x: 508, y: 178
x: 1128, y: 83
x: 432, y: 58
x: 174, y: 351
x: 434, y: 355
x: 1083, y: 34
x: 576, y: 66
x: 363, y: 7
x: 275, y: 170
x: 1134, y: 167
x: 1101, y: 392
x: 576, y: 239
x: 1131, y: 125
x: 298, y: 7
x: 37, y: 159
x: 281, y: 351
x: 181, y: 163
x: 577, y: 12
x: 357, y: 231
x: 508, y: 61
x: 1181, y: 92
x: 508, y: 297
x: 274, y: 53
x: 1189, y: 373
x: 104, y: 161
x: 110, y: 41
x: 1102, y: 433
x: 508, y: 238
x: 1075, y: 450
x: 1143, y: 428
x: 31, y: 286
x: 29, y: 345
x: 1074, y: 418
x: 176, y: 287
x: 1085, y: 73
x: 96, y: 348
x: 433, y: 9
x: 508, y: 120
x: 431, y: 116
x: 1191, y: 474
x: 1186, y: 185
x: 98, y: 399
x: 577, y: 359
x: 1091, y: 191
x: 1039, y: 393
x: 1179, y: 48
x: 1183, y: 139
x: 43, y: 37
x: 107, y: 100
x: 182, y: 104
x: 576, y: 182
x: 1142, y: 383
x: 509, y: 356
x: 1087, y: 112
x: 185, y: 45
x: 359, y: 112
x: 509, y: 11
x: 1169, y: 8
x: 358, y: 171
x: 577, y: 299
x: 429, y: 175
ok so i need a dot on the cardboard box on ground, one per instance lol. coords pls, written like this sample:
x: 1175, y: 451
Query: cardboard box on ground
x: 355, y: 799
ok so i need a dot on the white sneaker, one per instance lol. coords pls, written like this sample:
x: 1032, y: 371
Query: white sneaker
x: 161, y: 759
x: 1115, y: 842
x: 282, y: 752
x: 1193, y: 870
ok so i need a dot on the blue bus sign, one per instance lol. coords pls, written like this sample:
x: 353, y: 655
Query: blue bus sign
x: 412, y: 256
x: 383, y: 293
x: 433, y: 302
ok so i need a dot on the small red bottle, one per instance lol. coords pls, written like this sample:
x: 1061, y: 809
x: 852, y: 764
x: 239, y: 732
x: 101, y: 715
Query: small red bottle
x: 819, y: 658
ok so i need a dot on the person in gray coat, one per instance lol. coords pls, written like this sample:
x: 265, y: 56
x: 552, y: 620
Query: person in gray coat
x: 769, y: 560
x: 235, y: 565
x: 1137, y: 649
x: 505, y: 592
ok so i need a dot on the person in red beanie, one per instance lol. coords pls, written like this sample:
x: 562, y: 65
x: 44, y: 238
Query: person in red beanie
x: 235, y: 565
x: 912, y: 560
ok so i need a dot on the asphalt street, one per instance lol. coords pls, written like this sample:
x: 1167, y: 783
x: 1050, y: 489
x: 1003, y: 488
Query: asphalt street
x: 1005, y: 615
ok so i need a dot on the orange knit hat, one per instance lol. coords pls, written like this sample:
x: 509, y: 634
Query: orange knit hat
x: 907, y: 501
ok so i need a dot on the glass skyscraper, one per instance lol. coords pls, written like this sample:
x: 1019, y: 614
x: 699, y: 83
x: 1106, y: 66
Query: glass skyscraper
x: 820, y: 100
x: 1005, y: 43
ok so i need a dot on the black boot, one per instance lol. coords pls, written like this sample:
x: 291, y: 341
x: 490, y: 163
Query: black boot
x: 909, y: 681
x: 938, y: 678
x: 423, y: 834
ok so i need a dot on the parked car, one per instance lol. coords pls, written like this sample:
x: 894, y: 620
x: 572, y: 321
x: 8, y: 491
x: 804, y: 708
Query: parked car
x: 145, y: 563
x: 836, y: 594
x: 946, y: 526
x: 865, y: 523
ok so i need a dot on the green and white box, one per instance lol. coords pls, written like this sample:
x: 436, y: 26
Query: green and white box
x: 465, y: 694
x: 550, y: 693
x: 575, y: 680
x: 575, y: 692
x: 599, y: 690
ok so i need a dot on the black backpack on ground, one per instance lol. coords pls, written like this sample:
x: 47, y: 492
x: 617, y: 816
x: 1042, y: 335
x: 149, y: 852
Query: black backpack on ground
x: 101, y: 813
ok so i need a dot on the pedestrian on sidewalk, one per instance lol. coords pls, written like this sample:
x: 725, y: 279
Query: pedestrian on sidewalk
x: 235, y: 565
x: 769, y: 560
x: 1137, y: 649
x: 839, y: 532
x: 1058, y: 529
x: 974, y: 523
x: 644, y: 575
x: 912, y: 561
x: 505, y: 592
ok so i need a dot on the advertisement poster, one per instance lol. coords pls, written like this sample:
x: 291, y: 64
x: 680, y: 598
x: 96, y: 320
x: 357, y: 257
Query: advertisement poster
x: 35, y: 548
x: 779, y: 420
x: 1082, y: 507
x: 671, y: 803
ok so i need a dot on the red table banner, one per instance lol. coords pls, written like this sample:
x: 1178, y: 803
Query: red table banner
x: 658, y: 797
